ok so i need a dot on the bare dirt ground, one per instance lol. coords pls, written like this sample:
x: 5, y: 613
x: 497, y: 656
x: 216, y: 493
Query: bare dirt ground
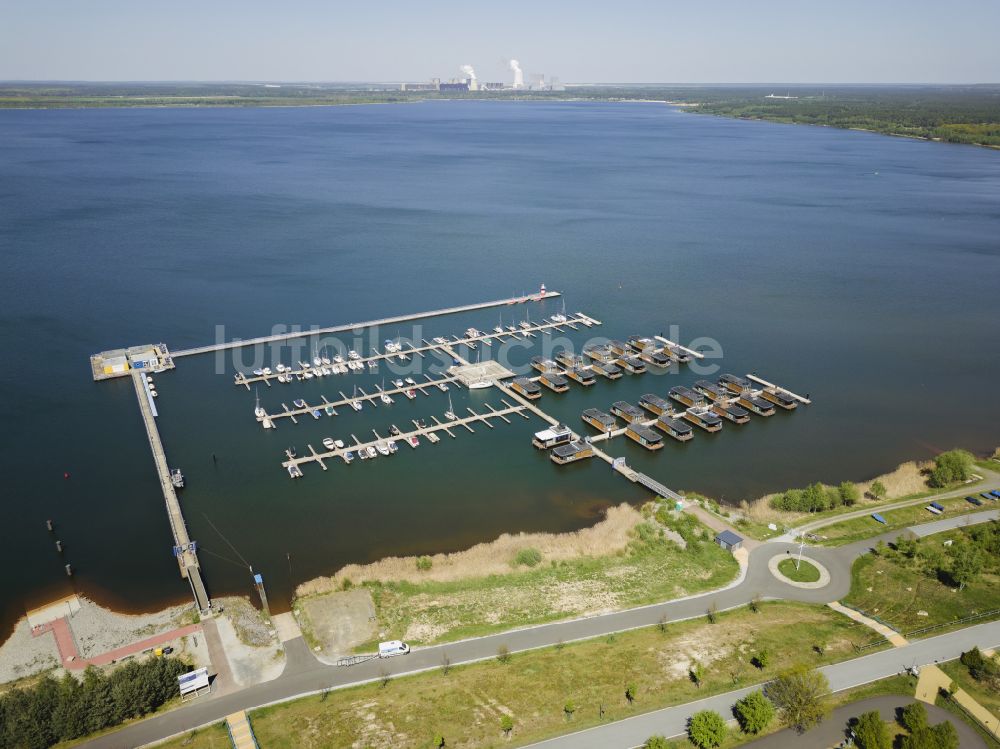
x: 338, y: 621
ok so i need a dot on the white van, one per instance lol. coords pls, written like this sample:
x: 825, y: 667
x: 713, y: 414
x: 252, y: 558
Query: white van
x: 391, y: 648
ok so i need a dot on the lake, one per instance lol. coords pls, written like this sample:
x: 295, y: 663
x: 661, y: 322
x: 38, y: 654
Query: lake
x: 857, y: 268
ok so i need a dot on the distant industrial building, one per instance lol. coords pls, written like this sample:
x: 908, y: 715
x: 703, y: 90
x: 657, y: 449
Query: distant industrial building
x: 470, y: 82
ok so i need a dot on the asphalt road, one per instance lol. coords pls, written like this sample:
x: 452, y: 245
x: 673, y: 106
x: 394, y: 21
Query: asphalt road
x: 672, y: 721
x: 835, y: 729
x: 303, y: 674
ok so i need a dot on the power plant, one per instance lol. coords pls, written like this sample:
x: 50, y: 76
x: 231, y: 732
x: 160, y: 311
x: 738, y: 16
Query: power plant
x: 470, y: 82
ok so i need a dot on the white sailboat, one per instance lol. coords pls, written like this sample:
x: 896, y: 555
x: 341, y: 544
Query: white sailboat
x: 450, y: 413
x: 258, y: 410
x: 355, y: 403
x: 561, y: 317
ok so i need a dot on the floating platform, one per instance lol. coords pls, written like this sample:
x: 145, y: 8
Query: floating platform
x: 601, y: 421
x: 600, y: 354
x: 655, y: 404
x: 526, y: 387
x: 656, y: 358
x: 779, y: 398
x: 730, y: 412
x: 543, y: 365
x: 676, y: 429
x: 627, y: 411
x: 686, y: 396
x: 756, y: 405
x: 703, y: 418
x: 644, y: 436
x: 734, y: 384
x: 712, y: 391
x: 632, y: 364
x: 583, y: 376
x: 611, y: 371
x: 554, y: 382
x: 572, y: 452
x: 487, y: 371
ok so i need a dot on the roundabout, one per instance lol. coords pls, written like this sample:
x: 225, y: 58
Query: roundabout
x: 809, y: 575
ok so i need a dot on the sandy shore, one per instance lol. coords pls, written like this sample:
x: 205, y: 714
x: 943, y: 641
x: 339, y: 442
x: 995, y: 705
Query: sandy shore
x: 492, y: 558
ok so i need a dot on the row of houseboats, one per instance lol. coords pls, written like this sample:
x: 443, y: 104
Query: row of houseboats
x: 705, y: 405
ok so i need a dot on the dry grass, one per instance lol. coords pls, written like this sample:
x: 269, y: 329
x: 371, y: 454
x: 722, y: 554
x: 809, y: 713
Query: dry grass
x: 609, y: 536
x: 907, y: 479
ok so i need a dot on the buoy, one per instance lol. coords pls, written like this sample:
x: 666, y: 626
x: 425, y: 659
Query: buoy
x: 69, y: 570
x: 59, y: 546
x: 48, y: 524
x: 65, y: 474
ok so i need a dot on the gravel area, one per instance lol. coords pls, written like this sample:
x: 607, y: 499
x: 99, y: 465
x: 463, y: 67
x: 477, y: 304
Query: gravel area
x: 249, y: 664
x: 250, y: 625
x: 95, y: 629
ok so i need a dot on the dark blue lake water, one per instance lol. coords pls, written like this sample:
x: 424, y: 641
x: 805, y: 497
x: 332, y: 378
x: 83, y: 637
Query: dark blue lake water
x: 860, y: 269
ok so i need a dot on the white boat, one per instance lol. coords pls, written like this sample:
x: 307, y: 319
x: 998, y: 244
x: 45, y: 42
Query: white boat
x: 372, y: 453
x: 327, y: 371
x: 352, y: 354
x: 317, y: 362
x: 411, y: 393
x: 268, y: 424
x: 295, y: 472
x: 442, y: 386
x: 480, y: 384
x: 382, y: 448
x: 386, y: 399
x: 326, y: 361
x: 280, y: 368
x: 450, y: 413
x: 440, y: 341
x: 258, y: 372
x: 328, y: 443
x: 266, y: 371
x: 307, y: 375
x: 432, y: 437
x: 399, y: 383
x: 561, y: 317
x: 258, y: 410
x: 348, y: 457
x: 373, y: 364
x: 414, y: 441
x: 363, y: 453
x: 393, y: 447
x: 404, y: 357
x: 338, y: 359
x: 153, y: 393
x: 339, y: 444
x: 408, y: 381
x: 299, y: 403
x: 356, y: 404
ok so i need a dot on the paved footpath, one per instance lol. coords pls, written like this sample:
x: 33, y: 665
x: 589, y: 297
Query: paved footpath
x: 70, y: 656
x: 672, y: 721
x: 304, y: 674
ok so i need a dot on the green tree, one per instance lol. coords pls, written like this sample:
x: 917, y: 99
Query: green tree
x: 569, y: 708
x: 707, y: 729
x: 754, y: 712
x: 438, y: 741
x: 656, y: 742
x: 696, y: 672
x: 762, y: 658
x: 914, y: 717
x: 877, y: 490
x: 966, y: 563
x: 870, y: 732
x: 849, y: 493
x: 800, y: 695
x: 506, y: 724
x: 951, y: 466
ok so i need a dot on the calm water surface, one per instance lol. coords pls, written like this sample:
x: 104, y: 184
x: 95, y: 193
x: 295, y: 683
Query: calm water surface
x: 861, y: 269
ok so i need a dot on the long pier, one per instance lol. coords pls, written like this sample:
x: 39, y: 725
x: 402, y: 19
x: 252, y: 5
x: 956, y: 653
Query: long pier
x: 447, y: 348
x: 438, y: 426
x: 368, y: 324
x: 185, y: 551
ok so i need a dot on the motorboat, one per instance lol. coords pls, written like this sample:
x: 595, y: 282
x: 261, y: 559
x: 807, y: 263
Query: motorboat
x: 398, y: 383
x: 393, y: 429
x: 328, y: 443
x: 330, y: 411
x: 371, y: 452
x: 326, y: 361
x: 290, y: 452
x: 348, y: 457
x: 307, y: 375
x: 411, y: 393
x: 450, y: 413
x: 299, y: 403
x: 432, y: 437
x: 382, y: 448
x: 413, y: 440
x: 295, y: 472
x: 480, y: 384
x: 338, y: 359
x: 339, y: 444
x: 266, y: 371
x: 393, y: 447
x: 258, y: 372
x: 352, y: 354
x: 409, y: 381
x: 442, y: 386
x: 177, y: 478
x: 153, y: 393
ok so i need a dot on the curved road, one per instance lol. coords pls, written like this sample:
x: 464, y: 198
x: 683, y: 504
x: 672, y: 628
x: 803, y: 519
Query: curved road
x: 303, y: 674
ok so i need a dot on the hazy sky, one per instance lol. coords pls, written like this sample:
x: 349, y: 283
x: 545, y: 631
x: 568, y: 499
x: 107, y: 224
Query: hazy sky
x: 625, y: 41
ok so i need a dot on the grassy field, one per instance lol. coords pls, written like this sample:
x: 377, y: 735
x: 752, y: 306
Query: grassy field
x: 650, y: 568
x: 982, y: 693
x: 805, y: 573
x: 896, y: 591
x: 858, y: 529
x: 466, y: 704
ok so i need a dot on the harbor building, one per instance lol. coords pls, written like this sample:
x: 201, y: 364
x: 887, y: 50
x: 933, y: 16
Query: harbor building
x: 559, y: 434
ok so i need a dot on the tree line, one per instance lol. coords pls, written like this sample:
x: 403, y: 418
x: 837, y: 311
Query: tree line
x: 54, y: 710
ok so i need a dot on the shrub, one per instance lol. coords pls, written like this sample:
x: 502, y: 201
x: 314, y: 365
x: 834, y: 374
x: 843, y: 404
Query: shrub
x: 707, y: 729
x: 951, y: 466
x: 656, y: 742
x: 914, y: 717
x: 761, y: 659
x: 754, y: 712
x: 870, y: 732
x: 849, y: 493
x: 630, y: 692
x: 506, y: 724
x: 877, y: 490
x: 503, y: 654
x: 528, y: 557
x: 424, y: 563
x: 569, y: 708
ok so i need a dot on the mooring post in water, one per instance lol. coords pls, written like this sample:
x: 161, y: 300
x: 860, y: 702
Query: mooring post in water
x: 48, y: 524
x: 69, y: 570
x: 59, y: 546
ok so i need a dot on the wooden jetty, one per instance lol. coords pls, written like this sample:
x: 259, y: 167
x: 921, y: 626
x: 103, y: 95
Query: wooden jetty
x: 184, y: 549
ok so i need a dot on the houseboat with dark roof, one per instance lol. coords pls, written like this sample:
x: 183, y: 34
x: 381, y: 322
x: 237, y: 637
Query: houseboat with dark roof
x: 627, y: 411
x: 607, y: 370
x: 572, y: 452
x: 756, y: 404
x: 583, y: 376
x: 713, y: 391
x: 599, y: 420
x: 602, y: 354
x: 684, y: 395
x: 656, y: 358
x: 703, y: 418
x: 631, y: 364
x: 676, y: 429
x: 735, y: 384
x: 779, y: 398
x: 543, y: 365
x: 642, y: 343
x: 644, y: 436
x: 526, y: 387
x: 730, y: 411
x: 554, y: 382
x: 677, y: 353
x: 620, y: 348
x: 560, y: 434
x: 570, y: 360
x: 655, y: 404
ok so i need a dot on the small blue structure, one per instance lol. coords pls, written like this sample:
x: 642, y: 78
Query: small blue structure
x: 258, y: 579
x: 729, y: 540
x: 879, y: 518
x: 937, y: 506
